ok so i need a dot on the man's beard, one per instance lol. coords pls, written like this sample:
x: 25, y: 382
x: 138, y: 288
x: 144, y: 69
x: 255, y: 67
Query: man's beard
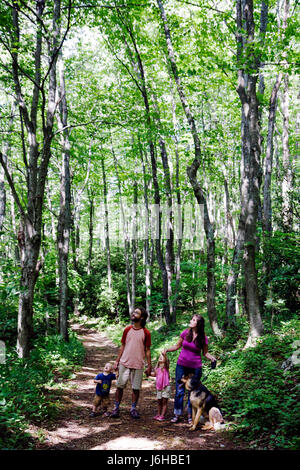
x: 135, y: 320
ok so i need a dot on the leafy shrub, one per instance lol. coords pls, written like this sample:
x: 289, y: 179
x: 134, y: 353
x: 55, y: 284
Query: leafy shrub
x: 284, y: 253
x: 258, y: 394
x: 24, y: 394
x: 97, y: 299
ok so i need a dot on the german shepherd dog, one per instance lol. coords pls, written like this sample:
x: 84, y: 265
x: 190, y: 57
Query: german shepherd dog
x: 203, y: 403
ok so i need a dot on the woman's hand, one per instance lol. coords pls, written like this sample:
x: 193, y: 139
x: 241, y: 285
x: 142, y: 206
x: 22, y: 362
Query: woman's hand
x: 174, y: 348
x: 210, y: 357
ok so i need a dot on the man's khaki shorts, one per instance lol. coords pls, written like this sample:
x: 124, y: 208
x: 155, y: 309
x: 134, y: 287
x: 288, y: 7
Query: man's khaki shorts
x: 99, y: 400
x: 136, y: 377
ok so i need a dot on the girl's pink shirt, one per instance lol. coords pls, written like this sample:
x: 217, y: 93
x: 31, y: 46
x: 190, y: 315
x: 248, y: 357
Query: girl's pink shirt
x: 162, y: 378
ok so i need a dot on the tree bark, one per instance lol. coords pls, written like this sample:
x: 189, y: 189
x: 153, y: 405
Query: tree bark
x: 75, y: 224
x: 2, y: 195
x: 147, y: 262
x: 287, y: 182
x: 134, y: 244
x: 267, y: 204
x: 6, y: 147
x: 229, y: 237
x: 106, y: 224
x: 267, y: 208
x: 251, y: 158
x: 64, y: 220
x: 169, y: 256
x: 126, y: 235
x: 180, y: 211
x: 91, y: 229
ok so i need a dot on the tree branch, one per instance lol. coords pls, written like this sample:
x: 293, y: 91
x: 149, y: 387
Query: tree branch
x: 110, y: 7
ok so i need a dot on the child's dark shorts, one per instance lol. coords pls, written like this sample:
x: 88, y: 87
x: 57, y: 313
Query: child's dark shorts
x: 101, y: 400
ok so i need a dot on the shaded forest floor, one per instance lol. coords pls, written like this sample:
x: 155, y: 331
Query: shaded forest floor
x: 74, y: 429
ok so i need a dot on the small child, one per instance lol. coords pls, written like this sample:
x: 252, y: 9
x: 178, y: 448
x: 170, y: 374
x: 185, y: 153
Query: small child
x: 103, y: 381
x: 161, y: 372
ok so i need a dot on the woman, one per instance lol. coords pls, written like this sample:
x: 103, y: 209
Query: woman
x: 192, y: 341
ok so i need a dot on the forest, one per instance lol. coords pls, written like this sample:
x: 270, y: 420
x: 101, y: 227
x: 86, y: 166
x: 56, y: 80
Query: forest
x: 149, y: 156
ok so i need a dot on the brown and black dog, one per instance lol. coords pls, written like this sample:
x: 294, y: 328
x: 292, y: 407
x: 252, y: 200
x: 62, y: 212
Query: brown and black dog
x: 203, y: 403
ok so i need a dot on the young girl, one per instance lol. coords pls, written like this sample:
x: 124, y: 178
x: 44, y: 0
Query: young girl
x: 161, y: 372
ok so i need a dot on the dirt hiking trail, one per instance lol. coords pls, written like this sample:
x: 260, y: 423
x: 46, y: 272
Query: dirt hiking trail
x: 74, y: 429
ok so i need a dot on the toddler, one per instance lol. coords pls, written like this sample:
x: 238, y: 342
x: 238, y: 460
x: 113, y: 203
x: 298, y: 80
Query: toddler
x: 163, y: 388
x: 103, y: 381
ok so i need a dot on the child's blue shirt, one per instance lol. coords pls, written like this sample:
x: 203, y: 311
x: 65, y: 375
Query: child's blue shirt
x: 104, y: 388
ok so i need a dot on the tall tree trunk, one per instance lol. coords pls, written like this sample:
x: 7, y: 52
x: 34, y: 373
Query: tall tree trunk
x: 6, y: 146
x: 91, y: 230
x: 229, y: 237
x: 54, y: 235
x: 192, y: 172
x: 2, y: 195
x: 180, y: 209
x: 261, y: 88
x: 126, y: 234
x: 159, y: 254
x: 134, y: 244
x: 14, y: 229
x: 267, y: 208
x: 64, y: 220
x: 287, y: 182
x: 231, y: 284
x: 267, y: 205
x: 36, y: 168
x: 169, y: 256
x: 147, y: 262
x: 75, y: 224
x: 251, y: 158
x: 106, y: 224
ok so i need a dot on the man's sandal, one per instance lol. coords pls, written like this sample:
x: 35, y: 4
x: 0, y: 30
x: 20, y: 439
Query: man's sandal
x: 115, y: 413
x: 134, y: 414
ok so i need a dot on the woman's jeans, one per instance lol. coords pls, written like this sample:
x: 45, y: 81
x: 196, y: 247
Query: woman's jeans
x: 182, y: 371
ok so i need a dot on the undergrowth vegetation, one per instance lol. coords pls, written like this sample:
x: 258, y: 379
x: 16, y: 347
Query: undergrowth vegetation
x: 27, y: 387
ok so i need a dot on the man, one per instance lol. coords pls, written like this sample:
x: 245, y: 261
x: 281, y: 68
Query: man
x: 136, y: 342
